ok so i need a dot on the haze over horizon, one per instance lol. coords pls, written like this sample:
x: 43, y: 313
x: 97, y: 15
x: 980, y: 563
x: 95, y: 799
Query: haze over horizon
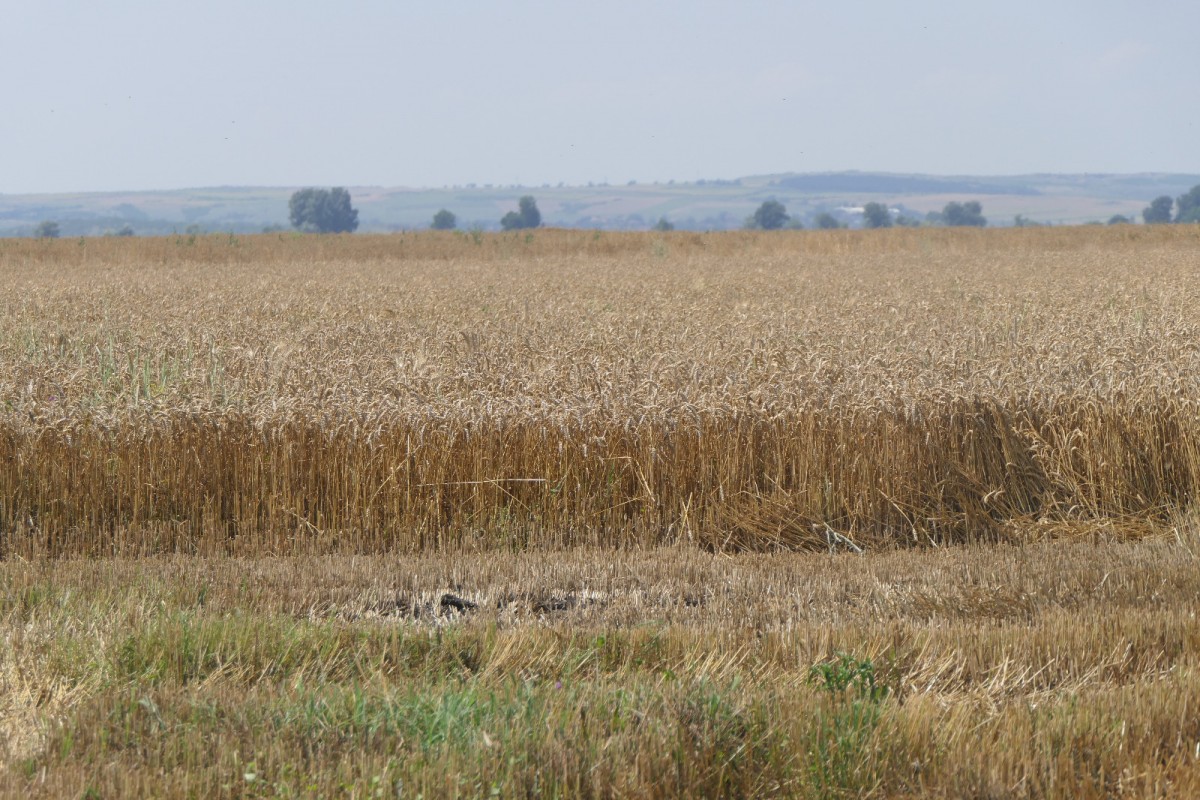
x: 163, y: 95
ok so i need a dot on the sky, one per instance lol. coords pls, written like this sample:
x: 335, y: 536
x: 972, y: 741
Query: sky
x: 159, y: 94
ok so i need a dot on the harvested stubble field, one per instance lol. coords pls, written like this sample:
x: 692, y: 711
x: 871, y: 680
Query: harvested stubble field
x: 454, y: 515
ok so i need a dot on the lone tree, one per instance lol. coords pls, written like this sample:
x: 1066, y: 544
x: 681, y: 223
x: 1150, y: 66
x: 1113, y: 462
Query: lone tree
x: 876, y: 215
x: 827, y: 222
x: 444, y: 221
x: 527, y: 216
x: 664, y: 224
x: 47, y: 230
x: 964, y: 215
x: 323, y: 211
x: 1159, y: 211
x: 770, y: 216
x: 1187, y: 207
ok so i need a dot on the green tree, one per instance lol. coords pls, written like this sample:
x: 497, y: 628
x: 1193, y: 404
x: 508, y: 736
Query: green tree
x: 964, y: 215
x: 323, y: 211
x: 1187, y: 206
x: 876, y: 215
x: 527, y: 215
x: 47, y: 230
x: 664, y: 224
x: 1159, y: 211
x: 529, y: 212
x: 1119, y: 219
x: 444, y: 221
x: 826, y: 221
x: 770, y: 216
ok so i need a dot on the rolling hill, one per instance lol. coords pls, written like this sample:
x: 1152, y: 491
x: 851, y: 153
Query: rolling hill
x: 699, y: 205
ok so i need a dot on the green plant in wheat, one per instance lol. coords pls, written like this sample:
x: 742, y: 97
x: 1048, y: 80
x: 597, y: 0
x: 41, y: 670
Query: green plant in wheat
x: 840, y: 758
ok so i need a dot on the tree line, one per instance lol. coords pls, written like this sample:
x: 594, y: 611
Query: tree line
x: 331, y: 211
x: 772, y: 215
x: 322, y: 211
x: 1186, y: 208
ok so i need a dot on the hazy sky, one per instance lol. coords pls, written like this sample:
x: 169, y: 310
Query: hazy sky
x: 156, y: 94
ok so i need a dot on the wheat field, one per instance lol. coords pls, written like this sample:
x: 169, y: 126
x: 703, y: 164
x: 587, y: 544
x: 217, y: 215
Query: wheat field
x: 407, y: 393
x: 571, y: 514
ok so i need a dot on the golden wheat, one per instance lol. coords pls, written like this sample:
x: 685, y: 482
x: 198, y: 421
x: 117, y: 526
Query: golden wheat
x: 300, y: 393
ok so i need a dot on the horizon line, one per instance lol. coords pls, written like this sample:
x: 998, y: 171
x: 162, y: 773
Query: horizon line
x: 475, y: 186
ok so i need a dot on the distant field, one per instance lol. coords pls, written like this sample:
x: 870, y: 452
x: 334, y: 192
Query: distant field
x: 550, y: 514
x: 699, y: 205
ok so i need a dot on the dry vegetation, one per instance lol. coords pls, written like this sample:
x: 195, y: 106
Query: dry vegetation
x: 280, y: 394
x: 1060, y: 669
x: 517, y: 515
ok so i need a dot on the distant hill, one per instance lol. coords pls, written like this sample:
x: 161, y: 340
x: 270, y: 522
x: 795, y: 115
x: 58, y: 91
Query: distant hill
x: 698, y: 205
x: 875, y: 183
